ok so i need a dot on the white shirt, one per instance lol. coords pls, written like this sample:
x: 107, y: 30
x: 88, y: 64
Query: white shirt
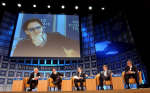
x: 130, y: 68
x: 105, y: 73
x: 79, y: 74
x: 34, y: 76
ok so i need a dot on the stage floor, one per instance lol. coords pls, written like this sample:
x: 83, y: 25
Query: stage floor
x: 142, y: 90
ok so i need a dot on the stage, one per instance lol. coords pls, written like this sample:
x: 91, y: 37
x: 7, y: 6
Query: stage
x: 142, y: 90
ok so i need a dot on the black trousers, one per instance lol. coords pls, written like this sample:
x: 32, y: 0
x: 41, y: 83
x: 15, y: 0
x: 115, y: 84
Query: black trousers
x: 128, y: 76
x: 33, y: 84
x: 58, y: 82
x: 102, y: 78
x: 81, y: 81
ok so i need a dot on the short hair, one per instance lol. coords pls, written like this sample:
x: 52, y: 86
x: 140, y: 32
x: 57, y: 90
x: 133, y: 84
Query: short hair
x: 36, y: 68
x: 29, y: 21
x: 79, y: 68
x: 105, y: 66
x: 129, y: 60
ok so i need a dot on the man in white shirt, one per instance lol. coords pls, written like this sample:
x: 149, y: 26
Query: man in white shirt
x: 80, y: 78
x: 33, y: 79
x: 131, y: 71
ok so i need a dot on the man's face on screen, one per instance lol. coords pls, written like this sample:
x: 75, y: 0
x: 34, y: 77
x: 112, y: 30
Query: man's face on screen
x: 35, y: 32
x: 34, y: 29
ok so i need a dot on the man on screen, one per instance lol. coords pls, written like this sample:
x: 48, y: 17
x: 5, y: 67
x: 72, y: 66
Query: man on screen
x: 41, y: 44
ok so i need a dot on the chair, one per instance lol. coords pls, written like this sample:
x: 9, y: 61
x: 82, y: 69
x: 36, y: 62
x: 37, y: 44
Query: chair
x: 73, y: 85
x: 132, y: 80
x: 107, y: 83
x: 25, y: 80
x: 50, y: 83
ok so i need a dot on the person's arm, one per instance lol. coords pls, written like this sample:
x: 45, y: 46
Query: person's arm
x: 32, y: 75
x: 126, y: 69
x: 30, y: 78
x: 51, y: 75
x: 60, y: 74
x: 110, y: 73
x: 98, y: 74
x: 38, y: 75
x: 101, y: 73
x: 135, y: 69
x: 84, y: 75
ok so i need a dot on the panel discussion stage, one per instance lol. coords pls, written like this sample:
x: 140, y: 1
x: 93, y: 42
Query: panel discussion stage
x: 45, y: 85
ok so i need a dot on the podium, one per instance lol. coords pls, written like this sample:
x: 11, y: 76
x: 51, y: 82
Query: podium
x: 66, y: 85
x: 18, y: 86
x: 117, y: 83
x: 90, y: 84
x: 42, y: 86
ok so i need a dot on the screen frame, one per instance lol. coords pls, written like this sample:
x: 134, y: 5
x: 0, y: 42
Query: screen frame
x: 13, y: 34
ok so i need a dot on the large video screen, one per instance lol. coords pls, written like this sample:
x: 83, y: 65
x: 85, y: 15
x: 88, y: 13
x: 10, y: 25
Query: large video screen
x: 46, y: 35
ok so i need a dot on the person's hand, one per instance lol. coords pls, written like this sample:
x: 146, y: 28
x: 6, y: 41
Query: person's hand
x: 86, y: 75
x: 55, y: 72
x: 36, y: 78
x: 132, y: 72
x: 80, y: 77
x: 70, y: 52
x: 129, y: 72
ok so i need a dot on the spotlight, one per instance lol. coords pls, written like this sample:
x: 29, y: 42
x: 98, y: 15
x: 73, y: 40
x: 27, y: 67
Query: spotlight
x: 90, y: 7
x: 34, y: 5
x: 102, y: 8
x: 3, y: 4
x: 76, y: 7
x: 48, y: 6
x: 62, y: 6
x: 19, y: 5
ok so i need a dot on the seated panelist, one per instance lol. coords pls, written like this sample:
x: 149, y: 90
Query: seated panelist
x: 33, y: 79
x: 57, y: 78
x: 105, y: 75
x: 131, y: 71
x: 80, y: 77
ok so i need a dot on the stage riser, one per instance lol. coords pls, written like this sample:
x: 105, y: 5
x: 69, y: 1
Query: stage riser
x: 144, y: 90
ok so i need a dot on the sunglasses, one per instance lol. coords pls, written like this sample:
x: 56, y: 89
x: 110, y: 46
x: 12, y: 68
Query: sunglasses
x: 35, y: 28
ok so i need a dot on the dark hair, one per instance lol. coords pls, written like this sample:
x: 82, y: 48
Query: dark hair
x: 80, y: 68
x: 129, y: 60
x: 105, y: 66
x: 29, y: 21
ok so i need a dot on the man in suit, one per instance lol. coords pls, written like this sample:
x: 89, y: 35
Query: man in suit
x: 131, y: 71
x: 79, y: 78
x: 105, y: 75
x: 33, y: 79
x: 57, y: 78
